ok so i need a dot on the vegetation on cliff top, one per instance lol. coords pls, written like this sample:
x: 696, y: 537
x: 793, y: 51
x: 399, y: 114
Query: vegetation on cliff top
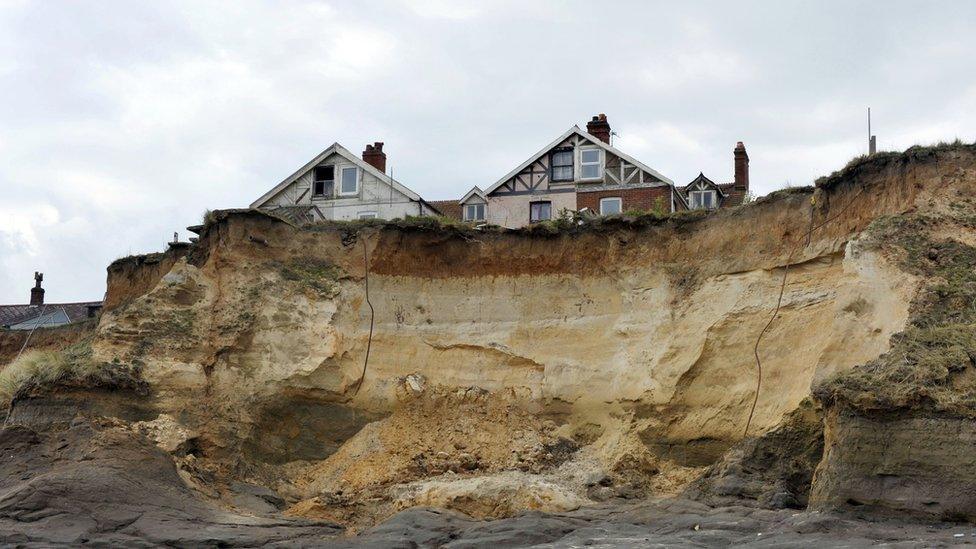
x: 931, y: 364
x: 882, y: 159
x: 70, y: 367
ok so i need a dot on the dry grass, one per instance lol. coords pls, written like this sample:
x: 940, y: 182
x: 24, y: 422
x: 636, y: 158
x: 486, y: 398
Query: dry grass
x: 931, y: 364
x: 73, y: 366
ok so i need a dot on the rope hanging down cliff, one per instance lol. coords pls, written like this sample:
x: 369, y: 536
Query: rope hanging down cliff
x: 779, y: 300
x: 372, y: 313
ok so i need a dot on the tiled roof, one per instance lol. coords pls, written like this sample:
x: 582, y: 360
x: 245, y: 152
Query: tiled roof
x: 18, y: 314
x: 447, y: 208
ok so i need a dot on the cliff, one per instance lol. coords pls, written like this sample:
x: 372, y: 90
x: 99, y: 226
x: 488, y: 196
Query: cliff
x: 555, y: 367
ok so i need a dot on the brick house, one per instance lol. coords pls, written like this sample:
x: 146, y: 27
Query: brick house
x: 579, y: 169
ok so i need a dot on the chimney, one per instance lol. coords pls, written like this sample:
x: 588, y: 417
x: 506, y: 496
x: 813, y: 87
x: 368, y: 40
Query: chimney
x: 741, y: 167
x: 37, y: 293
x: 374, y: 156
x: 599, y: 128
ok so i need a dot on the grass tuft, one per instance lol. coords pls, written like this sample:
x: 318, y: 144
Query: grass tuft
x: 72, y: 366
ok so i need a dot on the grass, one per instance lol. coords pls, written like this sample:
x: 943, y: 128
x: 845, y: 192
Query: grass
x: 931, y: 365
x: 73, y: 366
x: 321, y: 277
x: 886, y: 158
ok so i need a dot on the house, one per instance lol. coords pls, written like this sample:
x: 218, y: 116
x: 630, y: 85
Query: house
x: 577, y: 170
x: 703, y: 193
x: 337, y: 184
x: 38, y: 314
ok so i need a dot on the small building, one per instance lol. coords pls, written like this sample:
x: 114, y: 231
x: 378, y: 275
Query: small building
x: 703, y: 193
x: 38, y: 314
x: 339, y: 185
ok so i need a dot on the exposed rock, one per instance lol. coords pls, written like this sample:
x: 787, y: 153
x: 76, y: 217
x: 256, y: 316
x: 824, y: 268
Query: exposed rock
x: 922, y: 465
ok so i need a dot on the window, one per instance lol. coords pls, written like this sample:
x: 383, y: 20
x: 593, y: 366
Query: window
x: 702, y: 200
x: 610, y: 206
x: 590, y: 164
x: 474, y: 212
x: 540, y: 211
x: 561, y: 163
x: 323, y: 180
x: 350, y: 181
x: 367, y: 215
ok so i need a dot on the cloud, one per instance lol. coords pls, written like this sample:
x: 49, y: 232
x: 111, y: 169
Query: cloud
x: 123, y: 122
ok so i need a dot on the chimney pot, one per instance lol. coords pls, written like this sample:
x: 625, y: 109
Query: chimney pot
x: 599, y: 127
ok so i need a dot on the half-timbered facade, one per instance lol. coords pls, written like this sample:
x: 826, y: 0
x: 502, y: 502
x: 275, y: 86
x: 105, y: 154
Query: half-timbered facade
x: 579, y: 169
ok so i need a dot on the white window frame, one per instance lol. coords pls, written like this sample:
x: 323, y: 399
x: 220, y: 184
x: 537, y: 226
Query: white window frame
x: 342, y: 173
x: 366, y: 215
x: 598, y: 163
x: 696, y: 200
x: 484, y: 210
x: 617, y: 199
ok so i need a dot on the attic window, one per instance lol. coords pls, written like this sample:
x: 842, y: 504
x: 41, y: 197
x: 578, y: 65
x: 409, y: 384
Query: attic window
x: 590, y: 164
x: 561, y: 161
x: 702, y: 200
x: 323, y: 180
x: 474, y: 212
x: 350, y: 181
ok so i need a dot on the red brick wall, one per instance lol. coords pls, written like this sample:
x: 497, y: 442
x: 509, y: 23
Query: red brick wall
x: 632, y: 199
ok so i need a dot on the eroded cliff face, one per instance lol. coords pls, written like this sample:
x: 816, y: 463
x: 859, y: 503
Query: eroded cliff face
x: 539, y: 370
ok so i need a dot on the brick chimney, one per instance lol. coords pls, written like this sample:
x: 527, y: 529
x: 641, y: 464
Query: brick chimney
x: 374, y: 156
x: 37, y: 293
x: 741, y: 167
x: 599, y: 128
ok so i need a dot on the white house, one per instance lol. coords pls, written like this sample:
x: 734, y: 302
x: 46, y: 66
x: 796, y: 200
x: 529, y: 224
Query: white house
x: 337, y: 184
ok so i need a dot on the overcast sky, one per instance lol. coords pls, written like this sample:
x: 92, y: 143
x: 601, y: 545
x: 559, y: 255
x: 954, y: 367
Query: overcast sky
x: 121, y: 122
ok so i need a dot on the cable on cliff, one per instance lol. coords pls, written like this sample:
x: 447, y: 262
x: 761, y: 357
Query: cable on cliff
x: 372, y: 313
x: 779, y: 301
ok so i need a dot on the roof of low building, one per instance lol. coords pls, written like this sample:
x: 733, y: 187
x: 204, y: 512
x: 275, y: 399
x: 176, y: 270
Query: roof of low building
x: 447, y: 208
x: 11, y: 315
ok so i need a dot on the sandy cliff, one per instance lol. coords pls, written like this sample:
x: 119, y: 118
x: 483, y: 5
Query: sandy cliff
x: 550, y: 368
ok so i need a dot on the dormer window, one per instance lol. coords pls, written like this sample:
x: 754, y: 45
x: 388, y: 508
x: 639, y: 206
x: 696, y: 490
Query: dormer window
x: 591, y: 165
x: 702, y: 200
x: 561, y: 161
x: 474, y: 212
x: 323, y: 180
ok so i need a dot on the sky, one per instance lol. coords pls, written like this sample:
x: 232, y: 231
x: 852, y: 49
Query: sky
x: 122, y: 122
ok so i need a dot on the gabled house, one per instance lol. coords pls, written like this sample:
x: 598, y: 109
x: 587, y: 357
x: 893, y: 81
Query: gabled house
x: 38, y: 314
x: 337, y: 184
x: 577, y: 170
x: 703, y: 193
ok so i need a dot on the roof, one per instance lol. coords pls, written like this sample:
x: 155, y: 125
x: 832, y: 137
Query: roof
x: 476, y: 190
x: 336, y: 148
x: 49, y: 314
x: 702, y: 178
x: 447, y: 208
x: 589, y: 137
